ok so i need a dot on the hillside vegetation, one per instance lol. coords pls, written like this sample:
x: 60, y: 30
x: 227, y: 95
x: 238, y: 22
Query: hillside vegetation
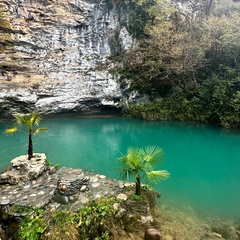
x: 188, y: 62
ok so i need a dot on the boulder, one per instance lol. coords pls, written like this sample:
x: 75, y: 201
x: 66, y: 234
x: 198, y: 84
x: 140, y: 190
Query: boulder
x: 25, y: 170
x: 152, y: 234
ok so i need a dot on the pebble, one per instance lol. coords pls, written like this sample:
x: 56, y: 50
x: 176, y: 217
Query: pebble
x: 218, y: 235
x: 122, y: 196
x: 102, y: 176
x: 4, y: 202
x: 40, y: 192
x: 95, y: 184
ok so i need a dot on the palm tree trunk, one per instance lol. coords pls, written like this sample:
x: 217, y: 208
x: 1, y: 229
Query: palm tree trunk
x: 138, y: 186
x: 30, y: 146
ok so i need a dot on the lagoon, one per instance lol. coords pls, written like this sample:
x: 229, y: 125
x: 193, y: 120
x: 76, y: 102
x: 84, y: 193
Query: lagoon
x: 204, y: 161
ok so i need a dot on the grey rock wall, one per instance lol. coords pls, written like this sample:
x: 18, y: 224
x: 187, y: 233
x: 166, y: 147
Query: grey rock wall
x: 60, y: 59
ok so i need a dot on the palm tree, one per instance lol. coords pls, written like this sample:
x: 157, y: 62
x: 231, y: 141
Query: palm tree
x: 27, y: 120
x: 140, y: 162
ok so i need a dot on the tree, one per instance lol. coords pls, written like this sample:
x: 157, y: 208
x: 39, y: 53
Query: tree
x: 169, y: 54
x: 27, y: 120
x: 221, y: 95
x: 221, y: 36
x: 140, y: 162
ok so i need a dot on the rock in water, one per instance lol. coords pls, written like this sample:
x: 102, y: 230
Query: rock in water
x: 152, y: 234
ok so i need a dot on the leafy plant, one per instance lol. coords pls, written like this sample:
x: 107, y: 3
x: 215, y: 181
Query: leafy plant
x: 50, y: 164
x: 138, y: 16
x: 91, y: 222
x: 135, y: 197
x: 32, y: 226
x: 216, y: 101
x: 95, y: 218
x: 62, y: 225
x: 28, y: 121
x: 20, y: 209
x: 140, y: 162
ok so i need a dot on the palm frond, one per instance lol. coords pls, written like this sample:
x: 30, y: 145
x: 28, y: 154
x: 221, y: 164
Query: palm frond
x: 39, y: 130
x: 35, y: 118
x: 20, y: 119
x: 153, y: 155
x: 132, y: 163
x: 159, y: 175
x: 134, y: 157
x: 125, y: 175
x: 10, y: 130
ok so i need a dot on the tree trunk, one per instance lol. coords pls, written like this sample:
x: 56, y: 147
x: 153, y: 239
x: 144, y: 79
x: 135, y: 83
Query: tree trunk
x: 30, y: 146
x: 138, y: 186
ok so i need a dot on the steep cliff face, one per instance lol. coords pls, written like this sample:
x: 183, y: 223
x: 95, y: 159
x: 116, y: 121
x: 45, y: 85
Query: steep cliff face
x: 60, y: 57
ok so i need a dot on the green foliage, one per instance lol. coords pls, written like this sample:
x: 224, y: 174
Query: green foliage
x: 20, y: 209
x: 193, y: 65
x: 147, y: 187
x: 138, y: 16
x: 50, y: 164
x: 32, y: 226
x: 135, y: 197
x: 215, y: 101
x: 91, y: 222
x: 220, y: 35
x: 110, y: 3
x: 140, y: 163
x: 219, y: 101
x: 169, y: 54
x: 196, y: 57
x: 62, y: 225
x: 95, y: 218
x: 28, y: 121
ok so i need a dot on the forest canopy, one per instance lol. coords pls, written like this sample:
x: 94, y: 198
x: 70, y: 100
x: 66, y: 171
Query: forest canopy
x: 189, y: 57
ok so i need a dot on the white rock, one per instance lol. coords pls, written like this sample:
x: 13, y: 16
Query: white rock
x: 218, y: 235
x: 122, y: 196
x: 66, y: 58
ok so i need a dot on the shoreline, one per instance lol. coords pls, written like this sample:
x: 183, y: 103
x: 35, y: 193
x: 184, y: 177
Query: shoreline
x: 173, y: 222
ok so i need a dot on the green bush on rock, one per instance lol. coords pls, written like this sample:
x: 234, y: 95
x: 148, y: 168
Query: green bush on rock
x: 96, y: 218
x: 215, y: 101
x: 32, y: 226
x: 91, y: 222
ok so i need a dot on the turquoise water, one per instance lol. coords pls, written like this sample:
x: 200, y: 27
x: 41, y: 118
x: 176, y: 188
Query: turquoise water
x: 204, y: 161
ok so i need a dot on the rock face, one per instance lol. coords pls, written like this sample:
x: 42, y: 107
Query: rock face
x: 60, y: 57
x: 24, y: 169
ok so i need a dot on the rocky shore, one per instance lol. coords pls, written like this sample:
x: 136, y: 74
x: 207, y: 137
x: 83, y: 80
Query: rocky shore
x: 42, y: 185
x: 33, y: 183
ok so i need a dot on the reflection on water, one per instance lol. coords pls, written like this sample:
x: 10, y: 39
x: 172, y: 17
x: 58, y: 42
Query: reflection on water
x: 204, y: 161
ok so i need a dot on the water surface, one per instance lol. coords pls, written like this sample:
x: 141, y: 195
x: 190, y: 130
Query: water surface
x: 204, y: 161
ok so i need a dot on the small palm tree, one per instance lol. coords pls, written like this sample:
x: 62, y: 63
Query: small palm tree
x: 27, y: 120
x: 140, y: 162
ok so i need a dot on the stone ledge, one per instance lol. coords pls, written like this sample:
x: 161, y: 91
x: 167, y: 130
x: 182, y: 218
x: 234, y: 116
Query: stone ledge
x: 25, y: 170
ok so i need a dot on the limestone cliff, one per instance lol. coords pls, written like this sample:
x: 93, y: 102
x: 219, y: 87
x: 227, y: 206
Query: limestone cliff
x: 59, y: 56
